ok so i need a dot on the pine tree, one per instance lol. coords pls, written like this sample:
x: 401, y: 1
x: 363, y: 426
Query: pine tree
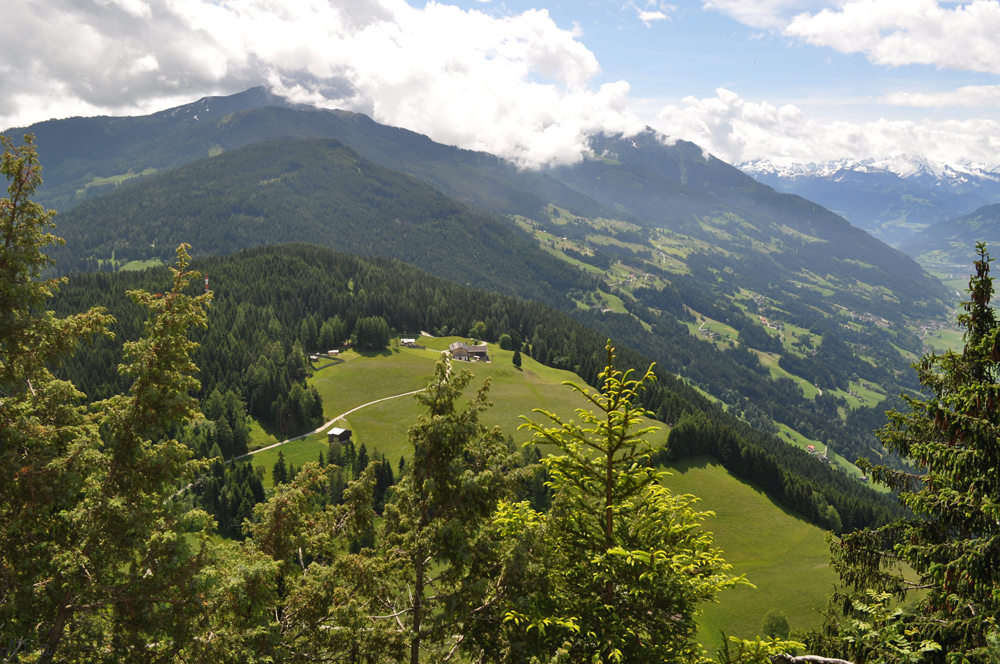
x: 279, y: 472
x: 517, y: 359
x: 458, y: 472
x: 952, y: 543
x: 362, y: 461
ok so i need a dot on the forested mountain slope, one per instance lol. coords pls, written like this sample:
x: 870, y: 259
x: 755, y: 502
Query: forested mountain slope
x: 92, y: 156
x: 769, y: 303
x: 953, y: 241
x: 315, y: 191
x: 763, y: 233
x: 89, y: 156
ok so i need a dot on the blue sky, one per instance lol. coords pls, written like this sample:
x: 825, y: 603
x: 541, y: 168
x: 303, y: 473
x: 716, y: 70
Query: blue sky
x: 786, y: 80
x: 697, y: 49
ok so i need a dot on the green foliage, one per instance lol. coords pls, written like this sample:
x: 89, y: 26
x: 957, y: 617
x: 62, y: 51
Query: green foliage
x: 516, y: 359
x: 626, y: 561
x: 441, y: 505
x: 950, y: 437
x: 92, y: 563
x: 757, y: 651
x: 371, y: 333
x: 775, y: 625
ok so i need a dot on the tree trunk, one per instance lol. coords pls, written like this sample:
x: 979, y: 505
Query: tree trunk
x: 418, y: 599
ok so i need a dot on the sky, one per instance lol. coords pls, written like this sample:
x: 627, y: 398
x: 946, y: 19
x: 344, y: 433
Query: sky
x: 784, y: 80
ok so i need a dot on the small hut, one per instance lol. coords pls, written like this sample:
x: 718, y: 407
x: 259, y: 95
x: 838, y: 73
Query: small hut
x: 339, y: 435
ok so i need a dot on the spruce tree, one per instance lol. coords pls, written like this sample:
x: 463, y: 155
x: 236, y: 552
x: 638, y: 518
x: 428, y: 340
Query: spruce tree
x: 93, y: 563
x: 279, y: 472
x: 626, y: 563
x: 953, y: 540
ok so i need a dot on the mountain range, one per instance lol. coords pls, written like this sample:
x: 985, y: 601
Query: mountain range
x: 775, y: 306
x: 893, y: 199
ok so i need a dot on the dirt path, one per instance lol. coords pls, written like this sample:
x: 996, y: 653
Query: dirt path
x: 324, y: 426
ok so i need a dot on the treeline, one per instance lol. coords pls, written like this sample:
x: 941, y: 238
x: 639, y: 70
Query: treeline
x: 263, y: 296
x: 838, y: 509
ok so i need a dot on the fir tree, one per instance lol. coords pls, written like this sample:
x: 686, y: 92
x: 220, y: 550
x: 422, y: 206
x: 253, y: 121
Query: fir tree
x: 279, y: 472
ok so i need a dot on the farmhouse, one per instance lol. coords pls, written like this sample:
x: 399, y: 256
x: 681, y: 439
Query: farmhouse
x: 468, y: 352
x: 410, y: 343
x: 338, y: 435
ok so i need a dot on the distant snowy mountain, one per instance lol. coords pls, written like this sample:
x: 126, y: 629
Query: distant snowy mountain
x: 893, y: 199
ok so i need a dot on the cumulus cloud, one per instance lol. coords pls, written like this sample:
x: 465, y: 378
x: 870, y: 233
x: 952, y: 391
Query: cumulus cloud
x: 771, y: 14
x: 969, y: 96
x: 518, y: 86
x: 737, y: 130
x: 903, y: 32
x: 648, y: 17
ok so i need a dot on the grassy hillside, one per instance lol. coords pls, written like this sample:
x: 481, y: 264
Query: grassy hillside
x: 782, y: 554
x: 368, y: 377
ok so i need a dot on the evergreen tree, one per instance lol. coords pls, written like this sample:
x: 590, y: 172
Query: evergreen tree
x: 327, y: 337
x: 458, y: 473
x: 335, y: 453
x: 371, y: 333
x: 517, y: 359
x: 279, y: 472
x: 93, y: 563
x: 362, y: 461
x: 626, y: 564
x: 952, y: 542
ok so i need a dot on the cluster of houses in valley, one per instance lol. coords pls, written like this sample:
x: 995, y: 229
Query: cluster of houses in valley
x: 774, y: 325
x: 869, y: 318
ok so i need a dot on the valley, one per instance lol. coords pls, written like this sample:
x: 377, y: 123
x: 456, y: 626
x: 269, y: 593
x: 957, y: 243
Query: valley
x: 780, y: 333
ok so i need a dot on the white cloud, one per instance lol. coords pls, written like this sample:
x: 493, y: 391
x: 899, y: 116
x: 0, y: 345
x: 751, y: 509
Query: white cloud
x: 735, y: 130
x: 969, y: 96
x: 903, y: 32
x: 648, y: 17
x: 771, y: 14
x: 519, y: 86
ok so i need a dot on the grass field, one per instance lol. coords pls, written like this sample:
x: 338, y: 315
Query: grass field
x: 809, y: 390
x: 780, y: 553
x: 382, y: 426
x: 943, y: 340
x: 784, y: 556
x: 142, y: 265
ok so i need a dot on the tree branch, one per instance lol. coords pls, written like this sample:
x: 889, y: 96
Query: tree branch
x: 805, y: 659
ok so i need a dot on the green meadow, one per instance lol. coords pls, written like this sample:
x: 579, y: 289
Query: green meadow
x: 783, y: 555
x: 365, y: 378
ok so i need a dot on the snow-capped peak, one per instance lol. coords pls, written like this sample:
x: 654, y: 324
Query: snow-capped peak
x: 902, y: 165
